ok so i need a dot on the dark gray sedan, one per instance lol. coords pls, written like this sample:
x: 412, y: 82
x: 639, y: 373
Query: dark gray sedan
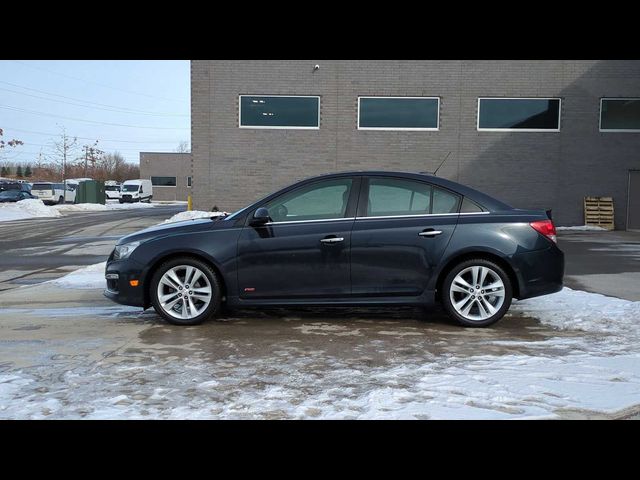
x: 359, y: 238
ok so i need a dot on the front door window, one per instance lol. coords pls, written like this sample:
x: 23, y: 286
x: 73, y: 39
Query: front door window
x: 319, y: 201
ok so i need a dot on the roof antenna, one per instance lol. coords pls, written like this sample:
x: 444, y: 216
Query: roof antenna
x: 441, y: 163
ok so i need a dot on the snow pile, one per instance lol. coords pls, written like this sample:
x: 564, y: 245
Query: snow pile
x: 577, y: 310
x: 84, y: 278
x: 583, y: 228
x: 97, y: 207
x: 30, y: 208
x: 192, y: 215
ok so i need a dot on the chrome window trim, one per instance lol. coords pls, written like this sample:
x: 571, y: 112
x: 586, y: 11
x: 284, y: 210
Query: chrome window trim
x: 341, y: 219
x: 374, y: 218
x: 422, y: 215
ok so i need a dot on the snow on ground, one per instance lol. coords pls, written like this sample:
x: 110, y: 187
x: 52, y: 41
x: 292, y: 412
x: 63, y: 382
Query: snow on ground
x: 583, y: 228
x: 591, y: 363
x: 30, y: 208
x: 578, y: 310
x: 98, y: 207
x: 91, y: 276
x: 192, y: 215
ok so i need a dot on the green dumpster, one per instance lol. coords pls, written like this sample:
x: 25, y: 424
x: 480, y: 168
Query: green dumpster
x: 90, y: 191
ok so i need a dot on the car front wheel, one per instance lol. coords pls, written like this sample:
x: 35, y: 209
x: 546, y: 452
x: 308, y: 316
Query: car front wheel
x: 477, y: 293
x: 185, y: 291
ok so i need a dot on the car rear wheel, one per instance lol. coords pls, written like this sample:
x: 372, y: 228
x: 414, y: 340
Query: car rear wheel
x: 60, y: 200
x: 477, y: 293
x: 185, y: 291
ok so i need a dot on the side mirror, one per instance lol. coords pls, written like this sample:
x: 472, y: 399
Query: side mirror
x: 260, y: 217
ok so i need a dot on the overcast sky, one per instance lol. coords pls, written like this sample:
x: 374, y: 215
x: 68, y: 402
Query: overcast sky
x: 129, y: 106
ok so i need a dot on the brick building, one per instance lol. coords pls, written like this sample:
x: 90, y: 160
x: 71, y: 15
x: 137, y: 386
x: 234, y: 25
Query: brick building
x: 170, y: 174
x: 536, y: 134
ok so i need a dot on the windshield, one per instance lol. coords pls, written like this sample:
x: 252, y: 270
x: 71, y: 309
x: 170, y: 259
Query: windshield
x: 130, y: 188
x: 112, y: 188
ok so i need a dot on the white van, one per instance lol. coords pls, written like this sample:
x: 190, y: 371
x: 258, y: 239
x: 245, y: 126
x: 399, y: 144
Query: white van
x: 52, y: 193
x: 136, y: 191
x: 112, y: 190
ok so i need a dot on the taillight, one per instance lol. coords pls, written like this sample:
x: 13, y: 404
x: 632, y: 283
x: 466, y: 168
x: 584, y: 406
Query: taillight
x: 546, y: 228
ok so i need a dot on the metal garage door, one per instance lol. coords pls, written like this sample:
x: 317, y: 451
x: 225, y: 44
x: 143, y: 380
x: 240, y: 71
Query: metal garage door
x: 633, y: 211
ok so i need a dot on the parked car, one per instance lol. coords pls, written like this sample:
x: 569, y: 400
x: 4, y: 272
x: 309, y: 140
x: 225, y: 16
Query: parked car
x: 52, y: 193
x: 21, y: 186
x: 364, y: 238
x: 112, y: 190
x: 15, y: 196
x: 136, y: 191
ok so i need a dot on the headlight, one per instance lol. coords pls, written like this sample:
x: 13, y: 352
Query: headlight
x: 123, y: 251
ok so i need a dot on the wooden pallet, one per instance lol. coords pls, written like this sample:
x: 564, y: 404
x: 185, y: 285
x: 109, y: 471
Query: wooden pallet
x: 598, y: 211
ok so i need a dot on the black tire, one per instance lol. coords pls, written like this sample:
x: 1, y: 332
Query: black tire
x: 446, y: 288
x: 60, y: 200
x: 214, y: 306
x: 120, y: 201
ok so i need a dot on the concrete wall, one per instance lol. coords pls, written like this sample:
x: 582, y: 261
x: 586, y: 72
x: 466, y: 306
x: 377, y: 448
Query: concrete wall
x: 234, y: 166
x: 160, y: 164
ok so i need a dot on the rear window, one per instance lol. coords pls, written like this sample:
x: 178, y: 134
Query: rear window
x: 111, y: 188
x: 42, y: 186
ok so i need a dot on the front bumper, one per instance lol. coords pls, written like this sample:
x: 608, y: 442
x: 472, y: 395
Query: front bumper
x: 539, y: 272
x: 119, y: 274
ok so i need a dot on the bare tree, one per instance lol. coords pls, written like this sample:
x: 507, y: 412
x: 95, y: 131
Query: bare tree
x: 63, y: 151
x: 9, y: 143
x: 183, y: 147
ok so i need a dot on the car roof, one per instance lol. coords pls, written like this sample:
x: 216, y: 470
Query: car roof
x: 482, y: 198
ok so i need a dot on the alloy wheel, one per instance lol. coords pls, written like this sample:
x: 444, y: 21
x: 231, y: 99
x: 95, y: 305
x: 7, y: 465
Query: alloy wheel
x: 184, y: 292
x: 477, y: 293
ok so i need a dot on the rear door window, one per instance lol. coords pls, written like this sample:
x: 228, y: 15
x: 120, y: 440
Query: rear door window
x: 395, y: 197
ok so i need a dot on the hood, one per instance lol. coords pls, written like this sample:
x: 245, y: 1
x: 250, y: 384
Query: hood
x: 163, y: 230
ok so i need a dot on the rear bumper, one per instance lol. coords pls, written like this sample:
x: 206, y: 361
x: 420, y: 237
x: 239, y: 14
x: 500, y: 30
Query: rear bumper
x: 539, y: 272
x: 118, y: 275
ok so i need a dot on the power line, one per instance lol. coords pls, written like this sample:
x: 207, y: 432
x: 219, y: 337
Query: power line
x: 92, y: 138
x: 96, y: 83
x: 35, y: 112
x: 110, y: 109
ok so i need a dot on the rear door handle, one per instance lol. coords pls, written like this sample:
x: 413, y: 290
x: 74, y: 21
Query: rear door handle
x: 430, y: 233
x: 332, y: 240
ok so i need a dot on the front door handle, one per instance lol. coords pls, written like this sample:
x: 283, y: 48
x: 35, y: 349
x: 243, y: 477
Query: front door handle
x: 332, y: 240
x: 430, y: 233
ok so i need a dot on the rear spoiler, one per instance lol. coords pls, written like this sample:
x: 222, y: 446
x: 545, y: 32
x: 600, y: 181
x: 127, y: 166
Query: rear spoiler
x: 548, y: 212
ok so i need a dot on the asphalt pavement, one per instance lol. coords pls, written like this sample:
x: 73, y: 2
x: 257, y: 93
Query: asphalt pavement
x: 41, y: 249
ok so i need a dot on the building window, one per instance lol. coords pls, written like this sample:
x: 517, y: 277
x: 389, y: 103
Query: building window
x: 188, y: 181
x: 620, y: 115
x: 163, y: 181
x: 398, y: 113
x: 279, y: 111
x: 519, y: 114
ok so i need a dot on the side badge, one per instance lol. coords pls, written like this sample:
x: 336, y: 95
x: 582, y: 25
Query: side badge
x: 249, y: 289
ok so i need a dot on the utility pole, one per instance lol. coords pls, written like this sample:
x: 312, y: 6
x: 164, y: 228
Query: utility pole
x: 64, y: 167
x: 86, y: 159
